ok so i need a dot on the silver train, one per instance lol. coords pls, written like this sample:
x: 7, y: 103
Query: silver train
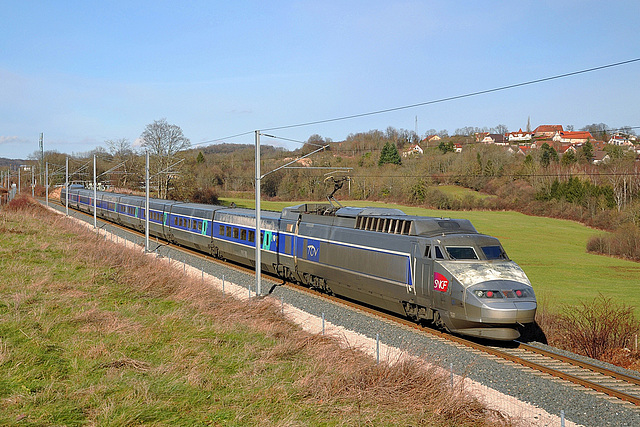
x: 428, y: 269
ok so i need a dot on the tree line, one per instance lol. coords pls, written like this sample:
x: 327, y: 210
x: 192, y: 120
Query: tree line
x: 541, y: 182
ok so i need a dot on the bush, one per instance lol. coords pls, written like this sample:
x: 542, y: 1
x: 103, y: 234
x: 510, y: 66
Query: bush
x: 624, y: 242
x: 23, y: 202
x: 596, y: 327
x: 205, y: 195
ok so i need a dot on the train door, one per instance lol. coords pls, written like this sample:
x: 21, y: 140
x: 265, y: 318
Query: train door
x: 295, y: 244
x: 438, y: 282
x: 411, y: 271
x: 426, y: 281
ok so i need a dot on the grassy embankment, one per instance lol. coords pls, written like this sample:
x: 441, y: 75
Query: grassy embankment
x: 551, y: 251
x: 91, y: 333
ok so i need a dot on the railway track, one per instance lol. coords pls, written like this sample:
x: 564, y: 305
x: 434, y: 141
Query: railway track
x: 606, y: 382
x: 595, y: 379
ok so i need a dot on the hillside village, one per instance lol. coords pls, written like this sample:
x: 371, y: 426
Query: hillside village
x: 522, y: 142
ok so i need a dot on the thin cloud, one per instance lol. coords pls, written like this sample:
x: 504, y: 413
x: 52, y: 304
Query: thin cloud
x: 10, y: 139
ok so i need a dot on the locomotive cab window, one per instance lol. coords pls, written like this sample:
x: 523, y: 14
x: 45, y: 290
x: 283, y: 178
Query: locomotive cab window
x: 438, y: 252
x: 461, y: 252
x: 494, y: 252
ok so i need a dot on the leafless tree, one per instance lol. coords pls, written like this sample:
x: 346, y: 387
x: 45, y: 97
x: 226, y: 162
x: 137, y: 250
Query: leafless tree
x: 163, y: 141
x: 122, y: 152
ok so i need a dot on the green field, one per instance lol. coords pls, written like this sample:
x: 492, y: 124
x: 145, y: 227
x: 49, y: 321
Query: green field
x: 460, y: 192
x: 551, y: 251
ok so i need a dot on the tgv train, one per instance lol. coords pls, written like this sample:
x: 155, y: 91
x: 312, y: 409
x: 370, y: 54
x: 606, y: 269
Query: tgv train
x: 433, y: 269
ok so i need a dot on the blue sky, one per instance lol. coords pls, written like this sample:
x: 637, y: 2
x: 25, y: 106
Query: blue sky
x: 83, y: 72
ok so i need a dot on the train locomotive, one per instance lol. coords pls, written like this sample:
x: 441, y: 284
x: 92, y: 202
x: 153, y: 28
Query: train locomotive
x: 428, y: 269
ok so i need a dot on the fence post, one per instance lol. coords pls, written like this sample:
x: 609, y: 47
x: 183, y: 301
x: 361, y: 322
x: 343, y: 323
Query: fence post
x: 451, y: 373
x: 377, y: 348
x: 322, y: 323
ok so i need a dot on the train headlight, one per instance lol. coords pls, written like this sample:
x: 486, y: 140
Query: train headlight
x: 481, y: 293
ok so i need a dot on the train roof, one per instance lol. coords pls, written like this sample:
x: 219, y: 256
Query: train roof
x: 383, y: 220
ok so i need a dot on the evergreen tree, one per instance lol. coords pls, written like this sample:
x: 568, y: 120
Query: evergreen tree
x: 446, y: 147
x: 389, y: 154
x: 587, y: 151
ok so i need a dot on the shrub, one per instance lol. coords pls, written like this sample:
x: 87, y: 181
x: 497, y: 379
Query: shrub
x: 205, y: 195
x: 597, y: 326
x: 624, y: 242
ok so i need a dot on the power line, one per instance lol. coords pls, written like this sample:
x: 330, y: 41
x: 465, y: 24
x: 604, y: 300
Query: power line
x: 222, y: 139
x: 511, y: 175
x: 452, y: 98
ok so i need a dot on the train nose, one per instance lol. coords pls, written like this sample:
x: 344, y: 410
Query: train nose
x: 509, y: 312
x: 505, y: 302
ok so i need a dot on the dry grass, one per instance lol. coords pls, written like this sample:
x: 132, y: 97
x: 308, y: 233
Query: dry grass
x: 148, y: 340
x: 598, y: 328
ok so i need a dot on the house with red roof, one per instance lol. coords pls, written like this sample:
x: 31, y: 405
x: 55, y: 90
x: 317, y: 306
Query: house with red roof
x: 570, y: 137
x: 546, y: 131
x: 519, y: 136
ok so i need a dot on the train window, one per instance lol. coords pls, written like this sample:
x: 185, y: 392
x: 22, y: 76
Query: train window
x: 252, y: 236
x: 438, y: 252
x: 235, y: 233
x: 243, y: 235
x: 427, y: 252
x: 175, y: 221
x: 494, y: 252
x: 461, y: 252
x: 221, y: 230
x: 229, y: 231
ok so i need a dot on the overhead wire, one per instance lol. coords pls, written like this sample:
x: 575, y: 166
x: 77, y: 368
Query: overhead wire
x: 420, y: 104
x: 452, y: 98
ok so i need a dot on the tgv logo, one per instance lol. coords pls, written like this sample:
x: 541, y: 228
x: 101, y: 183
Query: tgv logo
x: 440, y: 283
x: 312, y: 250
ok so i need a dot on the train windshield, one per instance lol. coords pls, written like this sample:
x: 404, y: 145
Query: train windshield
x: 461, y: 252
x: 494, y: 252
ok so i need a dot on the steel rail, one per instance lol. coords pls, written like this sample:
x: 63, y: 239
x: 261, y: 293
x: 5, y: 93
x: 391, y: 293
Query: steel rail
x: 583, y: 364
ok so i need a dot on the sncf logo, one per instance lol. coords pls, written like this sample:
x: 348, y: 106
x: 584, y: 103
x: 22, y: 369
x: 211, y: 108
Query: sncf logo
x: 440, y: 283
